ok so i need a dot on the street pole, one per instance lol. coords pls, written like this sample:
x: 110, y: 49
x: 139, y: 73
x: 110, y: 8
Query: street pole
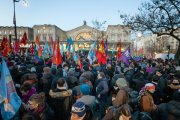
x: 14, y: 18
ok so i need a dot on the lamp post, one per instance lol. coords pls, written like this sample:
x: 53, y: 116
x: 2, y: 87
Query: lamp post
x: 14, y: 18
x: 25, y: 3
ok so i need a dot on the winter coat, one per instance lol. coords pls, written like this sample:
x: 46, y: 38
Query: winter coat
x: 147, y: 103
x: 89, y: 101
x: 149, y: 70
x: 25, y: 98
x: 169, y: 111
x: 139, y: 83
x: 122, y: 98
x: 71, y: 81
x: 109, y: 72
x: 47, y: 113
x: 88, y: 75
x: 46, y: 82
x: 173, y: 108
x: 102, y: 89
x: 44, y: 112
x: 61, y: 103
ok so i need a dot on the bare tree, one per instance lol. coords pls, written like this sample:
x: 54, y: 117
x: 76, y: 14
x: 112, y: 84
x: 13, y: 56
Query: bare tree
x: 99, y: 26
x: 161, y: 17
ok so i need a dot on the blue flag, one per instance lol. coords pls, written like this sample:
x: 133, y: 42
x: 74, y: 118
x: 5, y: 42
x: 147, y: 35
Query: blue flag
x: 61, y: 49
x: 92, y: 53
x: 46, y: 51
x: 125, y: 57
x: 70, y: 41
x: 75, y: 57
x: 8, y: 94
x: 36, y: 57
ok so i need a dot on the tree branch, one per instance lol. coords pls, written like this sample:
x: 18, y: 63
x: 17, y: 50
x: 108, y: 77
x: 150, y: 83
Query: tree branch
x: 175, y: 5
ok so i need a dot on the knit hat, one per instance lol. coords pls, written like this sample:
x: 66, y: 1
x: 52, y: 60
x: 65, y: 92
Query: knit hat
x: 85, y: 89
x: 78, y: 108
x: 121, y: 82
x: 150, y: 86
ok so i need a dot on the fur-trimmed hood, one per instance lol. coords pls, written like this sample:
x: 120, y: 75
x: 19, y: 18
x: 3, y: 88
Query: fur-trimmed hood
x: 65, y: 93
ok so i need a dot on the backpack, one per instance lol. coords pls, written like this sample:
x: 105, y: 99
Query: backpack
x: 115, y: 111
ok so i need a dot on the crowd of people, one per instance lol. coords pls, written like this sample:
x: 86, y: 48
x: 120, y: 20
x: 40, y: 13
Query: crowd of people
x: 148, y: 89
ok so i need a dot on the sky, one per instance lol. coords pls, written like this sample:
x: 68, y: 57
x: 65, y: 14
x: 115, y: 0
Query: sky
x: 66, y: 14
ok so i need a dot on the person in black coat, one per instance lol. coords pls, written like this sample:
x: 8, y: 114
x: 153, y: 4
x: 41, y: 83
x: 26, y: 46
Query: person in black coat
x: 170, y: 110
x: 61, y: 100
x: 102, y: 90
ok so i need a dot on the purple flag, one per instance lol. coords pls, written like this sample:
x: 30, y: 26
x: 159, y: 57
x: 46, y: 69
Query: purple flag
x: 125, y: 57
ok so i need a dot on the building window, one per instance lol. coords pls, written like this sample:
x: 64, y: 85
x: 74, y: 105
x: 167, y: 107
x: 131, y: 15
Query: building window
x: 0, y: 32
x: 5, y: 32
x: 38, y: 31
x: 50, y: 31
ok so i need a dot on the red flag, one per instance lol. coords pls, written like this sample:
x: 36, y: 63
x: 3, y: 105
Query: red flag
x: 119, y: 51
x: 4, y: 42
x: 58, y: 54
x: 37, y: 41
x: 24, y: 39
x: 32, y: 51
x: 101, y: 54
x: 6, y: 48
x: 16, y: 47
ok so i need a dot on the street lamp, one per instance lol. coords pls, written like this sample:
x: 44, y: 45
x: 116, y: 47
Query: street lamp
x: 14, y: 18
x: 25, y: 3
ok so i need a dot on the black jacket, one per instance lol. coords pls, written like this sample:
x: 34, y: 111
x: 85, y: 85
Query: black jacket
x: 173, y: 108
x: 61, y: 103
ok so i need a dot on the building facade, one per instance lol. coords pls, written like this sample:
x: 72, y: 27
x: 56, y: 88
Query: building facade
x: 153, y: 44
x: 9, y: 31
x: 45, y: 32
x: 82, y: 35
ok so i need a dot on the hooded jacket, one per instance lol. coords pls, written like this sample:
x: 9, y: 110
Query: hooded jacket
x: 173, y: 108
x: 61, y: 102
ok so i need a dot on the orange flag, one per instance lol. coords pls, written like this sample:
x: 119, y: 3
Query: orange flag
x: 79, y: 62
x: 39, y: 47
